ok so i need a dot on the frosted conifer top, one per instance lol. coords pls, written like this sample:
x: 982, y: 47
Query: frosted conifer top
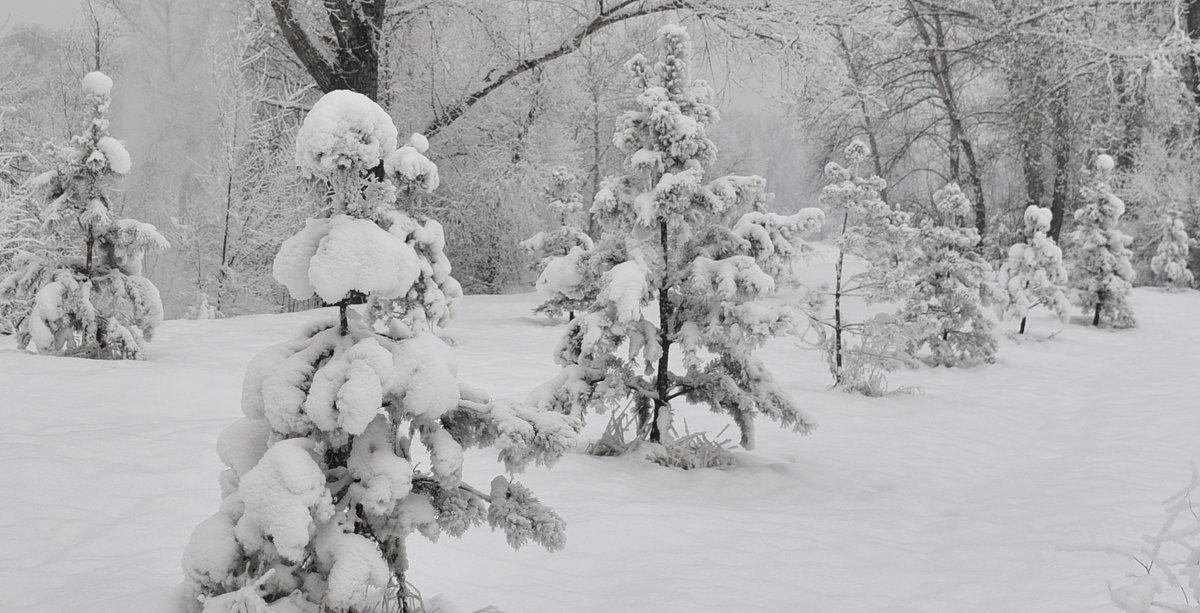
x: 97, y: 84
x: 344, y: 130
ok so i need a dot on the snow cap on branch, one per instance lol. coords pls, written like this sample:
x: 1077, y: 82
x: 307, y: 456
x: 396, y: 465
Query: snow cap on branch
x: 97, y: 84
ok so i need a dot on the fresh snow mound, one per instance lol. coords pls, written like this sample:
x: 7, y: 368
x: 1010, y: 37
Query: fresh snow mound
x: 344, y: 130
x: 115, y: 152
x: 97, y: 84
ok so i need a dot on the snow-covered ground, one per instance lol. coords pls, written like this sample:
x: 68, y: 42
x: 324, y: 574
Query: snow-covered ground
x: 960, y: 498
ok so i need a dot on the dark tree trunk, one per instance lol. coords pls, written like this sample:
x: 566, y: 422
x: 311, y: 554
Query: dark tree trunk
x: 1096, y: 315
x: 1062, y: 161
x: 353, y: 59
x: 662, y: 379
x: 1022, y: 330
x: 1191, y: 72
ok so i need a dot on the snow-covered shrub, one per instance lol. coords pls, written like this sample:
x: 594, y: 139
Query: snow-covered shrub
x: 689, y: 450
x: 86, y: 295
x: 705, y: 255
x: 1033, y: 275
x: 1168, y: 574
x: 944, y: 308
x: 562, y: 275
x: 1170, y: 263
x: 324, y: 481
x: 1101, y: 273
x: 870, y: 231
x: 201, y: 308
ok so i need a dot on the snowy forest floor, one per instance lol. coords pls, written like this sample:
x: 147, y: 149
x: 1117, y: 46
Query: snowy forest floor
x: 960, y: 498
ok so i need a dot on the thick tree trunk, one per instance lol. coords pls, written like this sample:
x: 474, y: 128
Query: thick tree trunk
x: 1022, y: 330
x: 352, y: 62
x: 1096, y: 315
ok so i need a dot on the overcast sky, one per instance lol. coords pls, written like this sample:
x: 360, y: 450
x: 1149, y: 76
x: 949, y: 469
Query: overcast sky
x: 45, y: 12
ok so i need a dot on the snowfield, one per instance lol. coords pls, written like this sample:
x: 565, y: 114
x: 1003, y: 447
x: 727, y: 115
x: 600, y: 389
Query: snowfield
x: 964, y: 498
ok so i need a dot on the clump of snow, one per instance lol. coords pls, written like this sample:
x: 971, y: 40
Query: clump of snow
x: 116, y: 154
x: 330, y: 257
x: 626, y: 288
x: 427, y: 364
x: 1137, y: 596
x: 380, y: 476
x: 352, y: 565
x: 284, y: 493
x: 413, y: 167
x: 1105, y: 162
x: 347, y: 394
x: 97, y: 84
x: 344, y: 130
x: 562, y: 275
x: 212, y: 553
x: 419, y: 142
x: 1038, y: 218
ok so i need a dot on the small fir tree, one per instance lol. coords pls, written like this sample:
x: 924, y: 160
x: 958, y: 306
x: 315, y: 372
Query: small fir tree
x: 1102, y: 275
x: 873, y: 233
x: 98, y: 305
x: 324, y: 482
x: 705, y: 255
x: 945, y: 305
x: 1170, y: 263
x: 1033, y: 275
x: 559, y: 252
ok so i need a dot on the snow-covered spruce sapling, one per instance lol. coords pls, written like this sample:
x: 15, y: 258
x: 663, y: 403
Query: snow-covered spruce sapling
x: 559, y: 252
x: 1033, y: 275
x: 1167, y: 572
x: 1101, y: 273
x: 944, y: 307
x: 324, y: 481
x: 873, y: 233
x: 87, y: 296
x: 703, y: 255
x: 1170, y: 263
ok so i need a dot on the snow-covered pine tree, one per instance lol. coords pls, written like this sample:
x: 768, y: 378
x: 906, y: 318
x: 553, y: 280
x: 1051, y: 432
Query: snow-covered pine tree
x: 872, y: 233
x: 704, y: 254
x: 98, y: 305
x: 1033, y: 275
x: 324, y: 481
x: 19, y: 240
x: 559, y: 252
x: 945, y: 305
x: 1101, y: 273
x: 1170, y: 263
